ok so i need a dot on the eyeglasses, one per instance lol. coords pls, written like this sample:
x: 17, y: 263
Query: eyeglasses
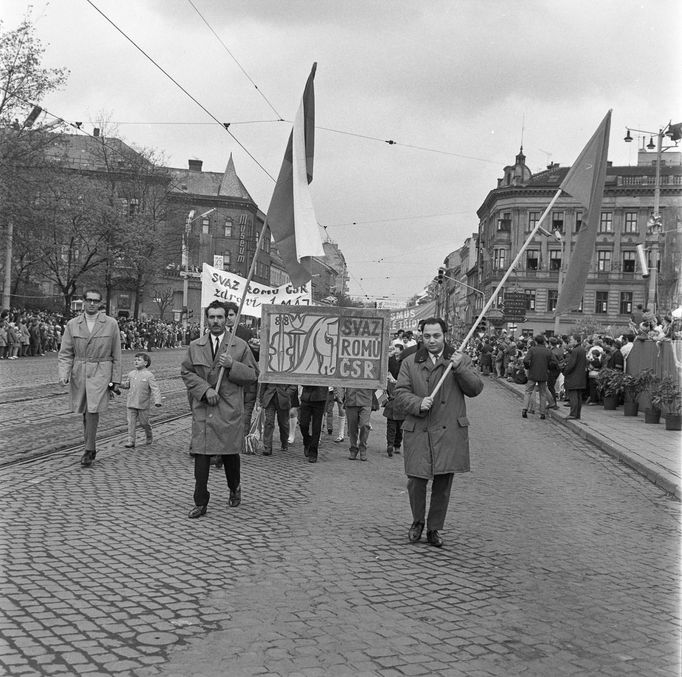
x: 93, y: 300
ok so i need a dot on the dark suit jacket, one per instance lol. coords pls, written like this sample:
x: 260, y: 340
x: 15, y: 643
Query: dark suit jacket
x: 281, y: 394
x: 575, y: 371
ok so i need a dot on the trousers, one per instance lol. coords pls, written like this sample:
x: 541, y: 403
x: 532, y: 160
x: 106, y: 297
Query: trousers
x: 90, y: 422
x: 141, y: 415
x: 202, y: 467
x: 440, y: 499
x: 358, y: 428
x: 282, y: 415
x: 310, y: 414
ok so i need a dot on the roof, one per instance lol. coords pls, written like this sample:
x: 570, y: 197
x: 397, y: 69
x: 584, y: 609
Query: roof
x: 225, y: 184
x: 79, y: 151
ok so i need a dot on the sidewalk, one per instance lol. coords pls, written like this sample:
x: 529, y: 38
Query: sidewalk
x: 651, y: 450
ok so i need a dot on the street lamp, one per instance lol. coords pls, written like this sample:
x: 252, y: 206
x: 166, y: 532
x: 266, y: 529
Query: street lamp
x: 185, y: 266
x: 655, y: 223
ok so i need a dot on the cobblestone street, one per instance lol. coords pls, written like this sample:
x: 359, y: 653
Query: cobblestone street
x: 558, y: 560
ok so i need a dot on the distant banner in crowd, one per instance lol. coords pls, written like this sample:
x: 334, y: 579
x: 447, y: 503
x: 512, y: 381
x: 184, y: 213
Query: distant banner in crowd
x: 345, y: 347
x: 408, y: 318
x: 223, y: 286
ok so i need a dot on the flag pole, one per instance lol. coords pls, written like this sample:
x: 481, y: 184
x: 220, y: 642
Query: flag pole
x: 493, y: 296
x: 241, y: 302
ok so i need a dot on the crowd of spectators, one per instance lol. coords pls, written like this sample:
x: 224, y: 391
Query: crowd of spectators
x: 35, y: 333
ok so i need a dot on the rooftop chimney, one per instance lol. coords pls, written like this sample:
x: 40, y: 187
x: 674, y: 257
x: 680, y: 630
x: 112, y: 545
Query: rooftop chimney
x: 95, y: 131
x: 195, y: 165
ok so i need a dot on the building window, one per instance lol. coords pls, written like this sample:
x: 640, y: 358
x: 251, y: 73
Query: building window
x: 630, y: 222
x: 650, y: 262
x: 552, y: 298
x: 228, y: 229
x: 133, y: 206
x: 227, y: 259
x: 558, y: 221
x: 601, y: 302
x: 578, y: 221
x: 625, y: 302
x: 629, y: 259
x: 603, y: 261
x: 532, y: 259
x: 504, y: 223
x: 555, y: 259
x: 530, y: 299
x: 499, y: 259
x: 533, y: 218
x: 267, y: 239
x: 205, y: 224
x: 606, y: 222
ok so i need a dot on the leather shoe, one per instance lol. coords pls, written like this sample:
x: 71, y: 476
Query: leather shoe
x: 87, y: 458
x: 235, y: 498
x: 197, y: 511
x: 312, y: 458
x: 542, y: 417
x: 129, y: 445
x: 305, y: 451
x: 434, y: 538
x: 524, y: 413
x: 415, y: 532
x: 572, y: 418
x: 267, y: 452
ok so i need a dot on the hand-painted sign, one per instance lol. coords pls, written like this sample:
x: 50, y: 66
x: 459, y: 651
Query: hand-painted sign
x: 408, y: 318
x: 223, y: 286
x: 345, y: 347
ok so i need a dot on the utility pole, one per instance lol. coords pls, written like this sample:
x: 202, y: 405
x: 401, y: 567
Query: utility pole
x: 6, y: 296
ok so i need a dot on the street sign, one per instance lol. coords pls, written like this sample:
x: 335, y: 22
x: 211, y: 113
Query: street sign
x: 513, y: 318
x: 515, y: 306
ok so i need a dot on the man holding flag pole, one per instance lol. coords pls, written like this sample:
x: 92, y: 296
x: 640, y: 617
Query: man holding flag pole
x: 436, y: 428
x: 218, y: 406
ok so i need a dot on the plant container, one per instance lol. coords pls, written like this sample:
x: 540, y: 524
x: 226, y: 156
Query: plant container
x: 611, y: 402
x: 673, y: 422
x: 652, y: 415
x: 630, y: 408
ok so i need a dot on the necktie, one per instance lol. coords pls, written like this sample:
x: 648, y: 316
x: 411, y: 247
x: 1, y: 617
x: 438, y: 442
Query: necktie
x: 214, y: 346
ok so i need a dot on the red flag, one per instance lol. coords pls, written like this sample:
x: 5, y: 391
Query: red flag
x: 585, y: 182
x: 291, y: 216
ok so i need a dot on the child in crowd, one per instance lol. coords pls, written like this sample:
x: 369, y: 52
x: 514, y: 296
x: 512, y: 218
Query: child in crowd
x: 143, y: 388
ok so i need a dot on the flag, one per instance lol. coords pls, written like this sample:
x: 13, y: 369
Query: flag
x: 291, y: 216
x: 585, y: 182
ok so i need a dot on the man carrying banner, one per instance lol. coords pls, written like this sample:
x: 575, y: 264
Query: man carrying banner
x: 436, y: 437
x: 217, y: 416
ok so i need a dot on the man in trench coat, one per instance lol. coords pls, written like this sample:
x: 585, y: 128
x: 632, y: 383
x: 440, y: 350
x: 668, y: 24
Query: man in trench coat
x: 436, y: 429
x: 217, y: 417
x: 90, y: 362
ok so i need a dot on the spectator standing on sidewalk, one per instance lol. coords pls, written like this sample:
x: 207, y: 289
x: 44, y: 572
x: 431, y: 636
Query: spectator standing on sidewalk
x: 275, y: 398
x: 575, y: 376
x: 539, y: 360
x: 90, y: 362
x: 310, y: 414
x: 436, y: 429
x: 142, y: 390
x: 217, y: 416
x: 358, y: 404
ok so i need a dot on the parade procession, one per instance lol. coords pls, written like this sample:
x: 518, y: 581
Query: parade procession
x: 372, y: 400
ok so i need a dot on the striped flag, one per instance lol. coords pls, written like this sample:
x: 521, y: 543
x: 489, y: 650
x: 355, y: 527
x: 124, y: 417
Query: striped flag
x: 291, y: 216
x: 585, y: 182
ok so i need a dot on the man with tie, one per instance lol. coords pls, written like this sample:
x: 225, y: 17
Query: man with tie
x: 436, y: 429
x: 217, y: 414
x: 90, y: 361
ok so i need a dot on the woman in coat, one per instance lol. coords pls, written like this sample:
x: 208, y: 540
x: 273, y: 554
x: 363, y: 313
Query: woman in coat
x: 435, y: 430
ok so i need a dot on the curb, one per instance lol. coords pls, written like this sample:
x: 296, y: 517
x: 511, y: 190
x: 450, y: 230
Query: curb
x: 639, y: 464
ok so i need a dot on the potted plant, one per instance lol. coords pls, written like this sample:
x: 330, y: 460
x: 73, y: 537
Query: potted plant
x: 610, y: 382
x: 633, y: 385
x: 666, y: 396
x: 649, y: 380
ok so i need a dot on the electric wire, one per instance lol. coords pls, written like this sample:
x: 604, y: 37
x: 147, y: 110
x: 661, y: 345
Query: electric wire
x: 232, y: 56
x: 225, y: 126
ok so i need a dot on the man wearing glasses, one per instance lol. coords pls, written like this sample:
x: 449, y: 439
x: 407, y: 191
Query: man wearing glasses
x: 90, y: 361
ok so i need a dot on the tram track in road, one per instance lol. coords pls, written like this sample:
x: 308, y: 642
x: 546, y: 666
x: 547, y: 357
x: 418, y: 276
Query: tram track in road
x: 67, y: 450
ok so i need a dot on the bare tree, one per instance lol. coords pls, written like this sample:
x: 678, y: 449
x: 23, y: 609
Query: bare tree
x: 163, y: 296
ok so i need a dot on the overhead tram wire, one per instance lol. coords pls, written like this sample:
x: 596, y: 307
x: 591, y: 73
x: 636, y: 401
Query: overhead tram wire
x: 224, y: 125
x: 232, y: 56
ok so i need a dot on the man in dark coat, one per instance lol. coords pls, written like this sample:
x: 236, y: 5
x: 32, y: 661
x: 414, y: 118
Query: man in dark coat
x: 538, y: 360
x: 217, y: 415
x: 575, y: 376
x: 436, y: 437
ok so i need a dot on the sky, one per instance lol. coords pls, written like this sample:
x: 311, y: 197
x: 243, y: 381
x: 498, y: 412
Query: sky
x: 457, y: 84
